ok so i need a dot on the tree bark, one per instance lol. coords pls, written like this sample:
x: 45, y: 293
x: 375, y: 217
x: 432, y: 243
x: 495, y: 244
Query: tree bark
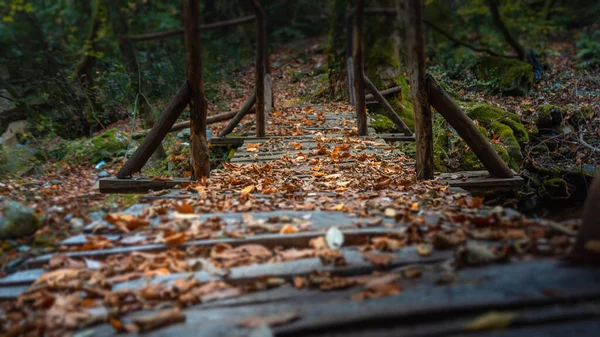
x: 261, y: 35
x: 389, y: 111
x: 497, y: 20
x: 157, y: 133
x: 590, y: 228
x: 199, y: 157
x: 466, y: 129
x: 418, y: 88
x: 239, y: 115
x: 358, y: 59
x: 121, y: 29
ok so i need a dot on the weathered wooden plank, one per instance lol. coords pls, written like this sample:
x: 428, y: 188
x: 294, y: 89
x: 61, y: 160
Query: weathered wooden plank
x: 474, y: 180
x: 351, y: 237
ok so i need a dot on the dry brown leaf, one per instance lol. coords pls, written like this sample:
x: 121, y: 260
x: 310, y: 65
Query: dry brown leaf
x: 270, y: 320
x: 184, y: 208
x: 318, y: 243
x: 424, y: 249
x: 492, y: 320
x: 411, y: 273
x: 381, y: 260
x: 288, y: 229
x: 161, y: 319
x: 176, y: 239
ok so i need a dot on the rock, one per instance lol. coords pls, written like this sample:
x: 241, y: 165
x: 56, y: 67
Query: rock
x: 56, y: 182
x: 474, y: 254
x: 18, y: 160
x: 103, y: 174
x: 107, y: 145
x: 548, y: 116
x: 18, y: 221
x: 77, y: 224
x: 514, y: 77
x: 184, y: 134
x: 9, y: 137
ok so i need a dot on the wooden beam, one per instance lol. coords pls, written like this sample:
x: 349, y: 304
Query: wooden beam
x: 238, y: 117
x: 139, y: 185
x: 386, y: 92
x: 418, y: 88
x: 208, y: 26
x: 199, y: 158
x: 350, y: 59
x: 157, y: 133
x: 389, y: 111
x: 465, y: 128
x: 358, y: 59
x: 261, y: 41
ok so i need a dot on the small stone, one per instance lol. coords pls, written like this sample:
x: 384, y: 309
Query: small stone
x: 103, y: 174
x: 446, y: 277
x: 57, y: 182
x: 390, y: 212
x: 18, y: 221
x: 476, y: 255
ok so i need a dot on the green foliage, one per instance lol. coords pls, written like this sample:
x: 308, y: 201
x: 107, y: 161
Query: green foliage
x: 588, y: 45
x: 509, y: 76
x: 107, y: 146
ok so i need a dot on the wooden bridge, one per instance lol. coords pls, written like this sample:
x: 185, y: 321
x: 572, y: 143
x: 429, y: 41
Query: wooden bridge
x: 315, y: 227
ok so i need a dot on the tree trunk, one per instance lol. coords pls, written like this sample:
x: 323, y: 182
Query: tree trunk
x: 121, y: 30
x: 497, y: 20
x: 339, y: 51
x: 418, y: 88
x: 199, y: 158
x: 261, y: 36
x: 358, y: 59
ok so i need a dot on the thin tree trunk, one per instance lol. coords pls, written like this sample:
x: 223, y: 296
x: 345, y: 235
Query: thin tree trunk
x: 418, y: 88
x: 497, y: 20
x: 261, y: 36
x: 199, y: 158
x: 358, y: 59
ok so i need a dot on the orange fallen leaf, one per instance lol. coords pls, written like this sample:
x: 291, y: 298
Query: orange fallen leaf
x: 247, y: 190
x: 184, y: 208
x: 378, y: 259
x: 176, y: 239
x: 288, y: 229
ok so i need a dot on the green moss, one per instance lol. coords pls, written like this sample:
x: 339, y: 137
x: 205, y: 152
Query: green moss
x: 554, y: 188
x: 486, y: 114
x: 510, y: 143
x: 511, y: 77
x: 548, y: 116
x: 582, y: 114
x: 382, y: 124
x: 107, y: 145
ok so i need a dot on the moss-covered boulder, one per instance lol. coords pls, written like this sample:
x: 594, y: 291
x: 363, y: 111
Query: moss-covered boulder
x: 107, y: 145
x: 512, y: 77
x: 19, y: 159
x: 548, y: 116
x: 504, y: 129
x: 18, y: 220
x: 383, y: 124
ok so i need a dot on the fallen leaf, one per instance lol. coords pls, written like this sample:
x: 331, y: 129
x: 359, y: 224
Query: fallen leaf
x: 247, y: 190
x: 334, y: 238
x: 424, y: 249
x: 411, y: 273
x: 492, y: 320
x: 378, y: 259
x: 318, y: 243
x: 270, y: 320
x: 176, y: 239
x: 593, y: 246
x: 184, y: 208
x: 288, y: 229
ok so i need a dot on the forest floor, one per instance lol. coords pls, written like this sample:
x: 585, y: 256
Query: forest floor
x: 379, y: 186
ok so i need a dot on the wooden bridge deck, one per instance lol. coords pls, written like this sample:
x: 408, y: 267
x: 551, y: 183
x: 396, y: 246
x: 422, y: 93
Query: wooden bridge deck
x: 381, y: 282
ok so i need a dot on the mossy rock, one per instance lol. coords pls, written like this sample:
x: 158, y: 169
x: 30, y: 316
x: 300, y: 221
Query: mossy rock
x: 487, y: 114
x: 19, y: 159
x: 383, y: 124
x: 508, y: 139
x: 582, y: 114
x: 555, y: 188
x: 548, y: 116
x: 470, y: 162
x: 105, y: 146
x: 18, y: 220
x: 512, y: 77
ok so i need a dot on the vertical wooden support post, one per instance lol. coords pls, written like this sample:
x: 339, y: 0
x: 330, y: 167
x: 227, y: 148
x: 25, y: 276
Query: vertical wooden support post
x: 269, y: 99
x: 418, y: 89
x: 199, y: 158
x: 358, y: 56
x: 349, y: 59
x: 261, y: 41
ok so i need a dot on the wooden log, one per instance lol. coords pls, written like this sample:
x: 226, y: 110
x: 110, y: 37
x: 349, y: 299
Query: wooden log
x: 358, y: 56
x: 261, y: 41
x: 199, y: 158
x: 389, y: 111
x: 386, y: 92
x: 157, y: 133
x: 418, y: 88
x: 268, y: 94
x: 208, y: 26
x: 465, y: 128
x: 239, y: 115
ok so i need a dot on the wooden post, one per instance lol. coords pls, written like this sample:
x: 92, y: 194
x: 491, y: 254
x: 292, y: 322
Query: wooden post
x: 418, y: 89
x: 157, y: 133
x: 199, y: 158
x: 349, y: 57
x: 466, y: 129
x: 358, y: 59
x: 261, y: 35
x: 238, y: 117
x: 389, y: 111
